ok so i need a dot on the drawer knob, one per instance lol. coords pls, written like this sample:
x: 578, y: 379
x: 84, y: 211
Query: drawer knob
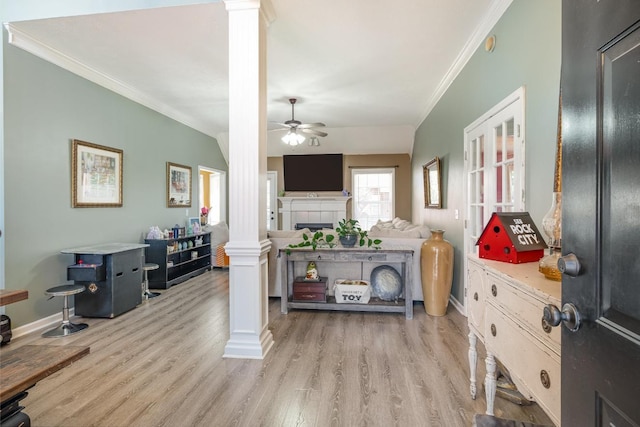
x: 569, y: 316
x: 475, y: 296
x: 369, y: 259
x: 494, y: 290
x: 544, y: 379
x: 494, y: 332
x: 319, y: 256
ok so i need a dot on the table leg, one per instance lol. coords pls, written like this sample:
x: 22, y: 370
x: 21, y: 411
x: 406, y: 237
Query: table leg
x: 490, y: 382
x: 473, y: 361
x: 283, y: 262
x: 407, y: 270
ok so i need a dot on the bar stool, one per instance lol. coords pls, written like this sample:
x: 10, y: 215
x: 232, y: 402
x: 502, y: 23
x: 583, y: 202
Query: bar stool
x: 146, y: 293
x: 66, y: 327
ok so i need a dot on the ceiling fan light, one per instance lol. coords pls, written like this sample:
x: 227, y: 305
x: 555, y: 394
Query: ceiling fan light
x: 293, y: 138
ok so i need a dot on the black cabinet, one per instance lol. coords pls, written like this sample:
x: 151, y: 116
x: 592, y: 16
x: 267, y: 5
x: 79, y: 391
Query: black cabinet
x: 112, y: 276
x: 179, y: 259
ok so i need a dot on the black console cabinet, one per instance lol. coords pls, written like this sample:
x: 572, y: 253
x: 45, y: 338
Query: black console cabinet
x: 112, y: 276
x: 179, y: 259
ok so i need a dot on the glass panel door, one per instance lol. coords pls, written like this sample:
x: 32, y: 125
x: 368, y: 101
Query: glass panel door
x: 494, y: 166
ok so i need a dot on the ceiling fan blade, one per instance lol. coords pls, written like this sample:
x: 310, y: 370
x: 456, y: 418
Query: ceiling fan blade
x: 314, y: 132
x: 281, y: 124
x: 311, y: 125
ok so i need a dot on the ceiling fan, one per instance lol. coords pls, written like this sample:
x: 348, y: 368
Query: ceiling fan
x: 293, y: 137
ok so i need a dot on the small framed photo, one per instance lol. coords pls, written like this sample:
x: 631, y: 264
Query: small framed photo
x: 178, y: 186
x: 96, y: 175
x: 194, y: 223
x: 432, y: 186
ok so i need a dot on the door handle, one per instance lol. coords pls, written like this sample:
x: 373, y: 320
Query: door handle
x: 569, y: 316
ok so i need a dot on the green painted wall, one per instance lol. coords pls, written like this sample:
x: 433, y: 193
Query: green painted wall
x: 45, y: 108
x: 527, y: 54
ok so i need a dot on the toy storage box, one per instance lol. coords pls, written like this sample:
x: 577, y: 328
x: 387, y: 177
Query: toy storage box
x: 352, y: 291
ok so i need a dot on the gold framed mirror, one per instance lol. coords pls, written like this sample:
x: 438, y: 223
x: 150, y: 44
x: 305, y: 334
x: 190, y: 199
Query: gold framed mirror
x: 432, y: 185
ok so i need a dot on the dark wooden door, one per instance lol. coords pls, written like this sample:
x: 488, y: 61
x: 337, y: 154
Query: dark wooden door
x: 601, y: 211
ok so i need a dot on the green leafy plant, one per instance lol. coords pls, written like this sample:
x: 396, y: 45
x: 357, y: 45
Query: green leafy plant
x: 350, y: 227
x: 345, y: 228
x: 317, y: 239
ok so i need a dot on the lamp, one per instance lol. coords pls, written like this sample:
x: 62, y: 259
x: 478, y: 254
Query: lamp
x: 552, y: 221
x: 293, y: 138
x: 314, y: 142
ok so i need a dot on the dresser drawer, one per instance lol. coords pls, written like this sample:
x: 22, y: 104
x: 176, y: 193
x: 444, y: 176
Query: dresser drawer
x: 523, y: 307
x: 312, y: 256
x: 534, y: 367
x: 475, y: 297
x: 372, y: 257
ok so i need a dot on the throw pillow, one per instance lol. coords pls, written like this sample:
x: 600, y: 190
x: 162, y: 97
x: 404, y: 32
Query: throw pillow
x: 411, y: 234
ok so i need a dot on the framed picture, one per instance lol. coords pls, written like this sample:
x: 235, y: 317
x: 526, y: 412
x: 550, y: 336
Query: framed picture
x: 194, y: 223
x: 432, y: 186
x: 96, y: 176
x: 178, y: 186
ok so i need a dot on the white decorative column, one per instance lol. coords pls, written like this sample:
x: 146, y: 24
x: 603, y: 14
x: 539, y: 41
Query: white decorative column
x: 248, y: 246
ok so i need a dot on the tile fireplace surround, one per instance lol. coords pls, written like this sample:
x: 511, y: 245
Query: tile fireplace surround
x: 312, y: 210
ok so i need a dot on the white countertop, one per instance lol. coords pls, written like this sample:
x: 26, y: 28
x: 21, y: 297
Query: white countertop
x: 105, y: 249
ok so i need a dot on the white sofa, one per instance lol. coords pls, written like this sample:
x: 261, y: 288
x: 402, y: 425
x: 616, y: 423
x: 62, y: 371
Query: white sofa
x: 395, y: 233
x: 219, y: 238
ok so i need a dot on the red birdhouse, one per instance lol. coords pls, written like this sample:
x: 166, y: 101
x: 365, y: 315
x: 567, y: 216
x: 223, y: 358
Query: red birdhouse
x: 511, y: 237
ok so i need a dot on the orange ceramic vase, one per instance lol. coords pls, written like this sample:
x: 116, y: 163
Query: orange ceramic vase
x: 436, y: 268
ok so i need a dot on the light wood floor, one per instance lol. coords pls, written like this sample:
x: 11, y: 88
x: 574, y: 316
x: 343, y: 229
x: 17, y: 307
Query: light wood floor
x: 161, y: 365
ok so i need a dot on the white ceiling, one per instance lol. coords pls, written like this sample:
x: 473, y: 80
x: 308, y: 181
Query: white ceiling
x: 371, y: 70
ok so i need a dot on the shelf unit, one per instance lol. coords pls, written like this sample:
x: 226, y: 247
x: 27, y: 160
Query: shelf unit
x: 326, y: 258
x: 177, y: 265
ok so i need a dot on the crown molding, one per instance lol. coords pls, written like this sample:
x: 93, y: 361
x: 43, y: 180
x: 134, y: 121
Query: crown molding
x: 498, y: 8
x: 36, y: 47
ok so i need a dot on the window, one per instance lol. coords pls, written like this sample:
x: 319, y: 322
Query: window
x: 373, y: 195
x: 494, y: 165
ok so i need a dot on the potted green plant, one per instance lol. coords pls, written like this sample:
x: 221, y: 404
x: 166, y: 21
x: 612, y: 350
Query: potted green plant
x: 349, y: 233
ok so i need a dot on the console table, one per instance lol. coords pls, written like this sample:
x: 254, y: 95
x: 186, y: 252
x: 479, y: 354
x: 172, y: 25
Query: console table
x: 326, y: 260
x: 505, y: 307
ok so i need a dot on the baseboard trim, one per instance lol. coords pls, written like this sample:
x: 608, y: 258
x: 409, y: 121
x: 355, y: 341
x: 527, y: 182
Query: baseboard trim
x: 454, y: 302
x: 52, y: 320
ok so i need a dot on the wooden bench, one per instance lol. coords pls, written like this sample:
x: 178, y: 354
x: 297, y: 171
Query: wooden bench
x: 23, y: 367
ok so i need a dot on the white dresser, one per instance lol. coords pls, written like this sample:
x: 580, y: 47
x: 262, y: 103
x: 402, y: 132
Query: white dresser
x: 505, y: 308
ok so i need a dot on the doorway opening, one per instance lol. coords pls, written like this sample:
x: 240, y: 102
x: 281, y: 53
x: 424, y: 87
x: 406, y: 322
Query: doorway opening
x: 212, y: 193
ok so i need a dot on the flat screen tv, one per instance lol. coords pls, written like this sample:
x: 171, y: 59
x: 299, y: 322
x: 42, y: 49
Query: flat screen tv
x: 313, y: 172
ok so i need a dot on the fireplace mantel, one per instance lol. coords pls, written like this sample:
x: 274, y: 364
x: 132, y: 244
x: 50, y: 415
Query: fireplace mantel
x: 312, y: 209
